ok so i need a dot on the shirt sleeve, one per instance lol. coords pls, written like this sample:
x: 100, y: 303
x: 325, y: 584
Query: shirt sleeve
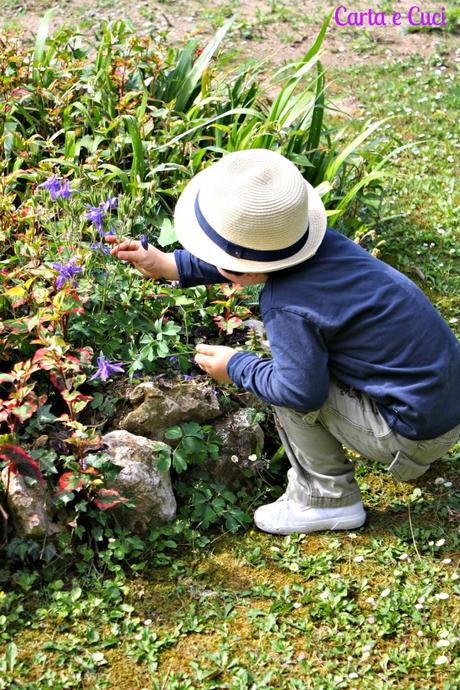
x: 194, y: 271
x: 297, y: 374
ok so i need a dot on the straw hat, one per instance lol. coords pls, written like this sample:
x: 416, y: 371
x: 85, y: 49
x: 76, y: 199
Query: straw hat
x: 252, y: 211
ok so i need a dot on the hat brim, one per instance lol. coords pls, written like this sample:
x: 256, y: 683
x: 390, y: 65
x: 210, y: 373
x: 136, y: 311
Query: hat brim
x: 191, y: 236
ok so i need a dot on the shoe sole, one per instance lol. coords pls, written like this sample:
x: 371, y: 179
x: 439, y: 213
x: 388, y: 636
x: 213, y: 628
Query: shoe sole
x: 351, y: 522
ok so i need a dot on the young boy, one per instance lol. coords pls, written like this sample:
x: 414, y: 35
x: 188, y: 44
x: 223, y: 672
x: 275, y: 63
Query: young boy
x: 360, y: 358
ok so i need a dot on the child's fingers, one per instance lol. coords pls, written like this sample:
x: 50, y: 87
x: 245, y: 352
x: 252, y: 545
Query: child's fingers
x: 206, y: 349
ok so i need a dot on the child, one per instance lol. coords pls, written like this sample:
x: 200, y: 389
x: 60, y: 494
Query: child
x: 360, y: 357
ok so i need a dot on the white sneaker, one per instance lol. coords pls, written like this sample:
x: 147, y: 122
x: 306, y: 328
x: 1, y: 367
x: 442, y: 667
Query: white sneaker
x: 285, y: 516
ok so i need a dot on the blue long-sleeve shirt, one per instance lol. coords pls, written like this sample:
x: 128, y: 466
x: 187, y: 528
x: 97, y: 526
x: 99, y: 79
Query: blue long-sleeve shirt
x: 347, y: 314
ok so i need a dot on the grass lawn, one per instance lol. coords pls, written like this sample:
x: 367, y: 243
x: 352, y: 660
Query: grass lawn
x: 370, y: 610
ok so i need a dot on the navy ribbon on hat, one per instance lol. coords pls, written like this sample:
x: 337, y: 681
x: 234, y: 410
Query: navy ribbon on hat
x: 240, y: 252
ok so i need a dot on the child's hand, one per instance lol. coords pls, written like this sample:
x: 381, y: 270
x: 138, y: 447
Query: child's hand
x: 213, y: 359
x: 151, y: 262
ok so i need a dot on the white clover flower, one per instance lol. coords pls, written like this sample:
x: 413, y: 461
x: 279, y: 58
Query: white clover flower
x: 294, y: 567
x: 439, y: 480
x: 352, y: 535
x: 441, y: 660
x: 234, y: 458
x: 403, y: 557
x: 455, y: 576
x: 442, y: 595
x: 442, y: 643
x: 448, y: 485
x: 276, y: 549
x: 446, y: 561
x: 440, y: 542
x: 444, y: 633
x: 418, y: 606
x: 420, y: 633
x: 297, y: 604
x: 421, y: 600
x: 252, y: 457
x: 370, y: 600
x: 148, y: 621
x: 371, y: 619
x: 358, y: 559
x: 353, y: 675
x: 385, y: 592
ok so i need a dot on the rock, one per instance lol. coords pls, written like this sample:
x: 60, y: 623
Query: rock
x: 27, y: 507
x: 149, y: 489
x: 161, y: 405
x: 242, y: 443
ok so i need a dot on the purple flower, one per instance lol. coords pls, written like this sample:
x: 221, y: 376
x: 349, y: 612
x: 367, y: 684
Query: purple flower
x: 64, y: 190
x: 104, y: 234
x: 144, y: 242
x: 53, y: 185
x: 57, y: 188
x: 66, y: 272
x: 110, y: 204
x: 105, y: 248
x: 105, y: 368
x: 96, y: 214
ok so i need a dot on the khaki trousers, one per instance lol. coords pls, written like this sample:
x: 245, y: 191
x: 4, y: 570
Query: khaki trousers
x: 321, y: 475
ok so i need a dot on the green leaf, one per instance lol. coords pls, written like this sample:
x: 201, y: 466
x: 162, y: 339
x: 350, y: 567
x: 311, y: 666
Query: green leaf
x: 167, y: 234
x: 179, y: 459
x: 173, y: 433
x: 10, y: 656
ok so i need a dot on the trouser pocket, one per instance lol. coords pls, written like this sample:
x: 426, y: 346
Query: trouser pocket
x: 403, y: 468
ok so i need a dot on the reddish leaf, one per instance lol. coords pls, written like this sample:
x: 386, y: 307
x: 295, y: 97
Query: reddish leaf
x: 69, y: 482
x: 108, y: 498
x: 20, y: 462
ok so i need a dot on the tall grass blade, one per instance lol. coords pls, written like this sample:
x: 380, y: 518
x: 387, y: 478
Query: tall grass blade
x: 40, y: 42
x: 138, y: 165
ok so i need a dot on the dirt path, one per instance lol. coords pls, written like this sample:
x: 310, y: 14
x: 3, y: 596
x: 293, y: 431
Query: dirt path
x: 272, y: 30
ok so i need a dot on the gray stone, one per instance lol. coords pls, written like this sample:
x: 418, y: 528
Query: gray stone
x: 242, y: 440
x: 149, y: 489
x: 27, y: 506
x: 161, y: 405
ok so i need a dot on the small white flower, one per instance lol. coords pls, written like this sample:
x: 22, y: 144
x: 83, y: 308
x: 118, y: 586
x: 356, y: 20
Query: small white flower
x: 442, y: 643
x: 352, y: 535
x: 358, y: 559
x: 446, y: 561
x: 443, y: 634
x: 338, y: 679
x: 294, y: 567
x: 324, y: 595
x: 447, y: 485
x: 418, y: 606
x: 440, y: 542
x: 455, y: 576
x: 276, y: 549
x: 234, y: 458
x: 371, y: 619
x: 431, y: 543
x: 367, y: 648
x: 252, y: 457
x: 385, y: 592
x: 297, y: 604
x: 441, y: 660
x: 453, y: 320
x: 420, y: 633
x: 370, y: 600
x: 353, y: 675
x: 98, y: 657
x: 439, y: 480
x: 403, y: 557
x: 442, y: 595
x: 421, y: 600
x: 148, y: 621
